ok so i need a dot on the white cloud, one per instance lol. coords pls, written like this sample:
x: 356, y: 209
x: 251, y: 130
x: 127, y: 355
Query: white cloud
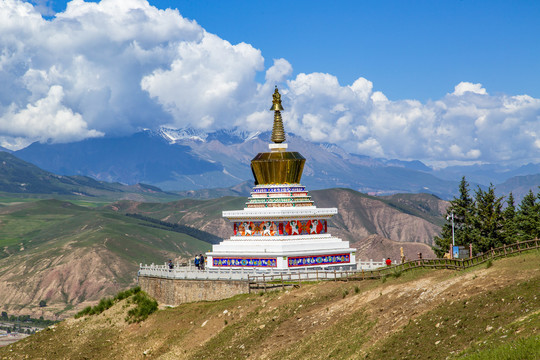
x: 207, y: 79
x: 279, y: 72
x: 464, y: 87
x: 119, y: 65
x: 46, y: 119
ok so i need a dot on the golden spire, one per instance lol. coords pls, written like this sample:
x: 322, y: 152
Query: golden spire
x: 278, y: 133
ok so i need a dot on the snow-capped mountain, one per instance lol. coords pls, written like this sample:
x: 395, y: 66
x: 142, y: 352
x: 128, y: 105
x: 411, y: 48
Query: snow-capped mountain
x: 225, y: 136
x: 190, y: 159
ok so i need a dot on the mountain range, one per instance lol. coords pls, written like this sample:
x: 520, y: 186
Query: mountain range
x: 190, y: 160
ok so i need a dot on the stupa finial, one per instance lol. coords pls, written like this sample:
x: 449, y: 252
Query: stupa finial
x: 278, y: 133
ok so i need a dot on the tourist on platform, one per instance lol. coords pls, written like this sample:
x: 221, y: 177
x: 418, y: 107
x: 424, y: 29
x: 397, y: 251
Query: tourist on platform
x: 197, y: 261
x: 388, y: 262
x: 201, y: 262
x: 171, y: 265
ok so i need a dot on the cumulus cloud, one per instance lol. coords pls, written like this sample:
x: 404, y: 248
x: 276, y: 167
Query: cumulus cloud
x: 46, y: 119
x: 464, y: 87
x: 116, y: 66
x: 468, y: 125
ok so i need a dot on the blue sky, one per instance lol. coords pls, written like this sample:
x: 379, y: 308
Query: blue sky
x: 445, y: 82
x: 408, y: 49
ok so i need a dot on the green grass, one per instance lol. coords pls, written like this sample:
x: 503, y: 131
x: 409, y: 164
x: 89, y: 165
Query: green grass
x: 35, y: 233
x: 525, y: 348
x: 480, y: 323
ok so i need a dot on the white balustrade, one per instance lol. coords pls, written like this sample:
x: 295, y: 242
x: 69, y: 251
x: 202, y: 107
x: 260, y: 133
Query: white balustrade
x: 192, y: 273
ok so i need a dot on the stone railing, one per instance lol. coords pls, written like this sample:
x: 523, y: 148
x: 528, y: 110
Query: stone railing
x: 371, y: 265
x: 190, y: 272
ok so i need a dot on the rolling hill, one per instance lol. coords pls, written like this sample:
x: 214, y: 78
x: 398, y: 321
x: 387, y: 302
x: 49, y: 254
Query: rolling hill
x: 70, y: 255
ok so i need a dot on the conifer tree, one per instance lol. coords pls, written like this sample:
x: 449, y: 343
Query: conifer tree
x: 528, y: 217
x: 488, y: 220
x: 509, y: 224
x: 463, y: 210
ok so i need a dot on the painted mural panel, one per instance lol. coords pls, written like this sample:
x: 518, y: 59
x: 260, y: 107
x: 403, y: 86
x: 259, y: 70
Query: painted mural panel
x: 244, y: 262
x: 319, y: 260
x: 280, y: 228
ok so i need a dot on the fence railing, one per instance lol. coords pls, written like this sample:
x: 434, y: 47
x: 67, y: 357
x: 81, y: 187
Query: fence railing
x: 188, y: 271
x: 269, y: 279
x: 266, y: 281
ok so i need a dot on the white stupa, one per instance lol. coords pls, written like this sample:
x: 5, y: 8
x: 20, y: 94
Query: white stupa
x: 280, y: 228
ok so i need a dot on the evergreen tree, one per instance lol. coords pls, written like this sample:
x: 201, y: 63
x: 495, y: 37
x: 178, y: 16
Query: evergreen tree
x: 462, y: 209
x: 488, y: 221
x: 528, y: 217
x: 509, y: 222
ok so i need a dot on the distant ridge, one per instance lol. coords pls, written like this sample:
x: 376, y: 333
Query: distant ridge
x: 189, y: 160
x: 20, y: 177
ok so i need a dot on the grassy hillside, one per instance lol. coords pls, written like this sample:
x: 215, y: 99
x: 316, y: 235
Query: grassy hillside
x: 22, y: 180
x: 71, y: 255
x: 487, y: 312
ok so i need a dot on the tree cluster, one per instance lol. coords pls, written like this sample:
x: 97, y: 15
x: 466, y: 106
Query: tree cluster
x: 488, y: 221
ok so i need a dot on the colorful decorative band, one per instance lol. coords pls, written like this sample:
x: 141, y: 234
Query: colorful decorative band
x: 319, y: 260
x: 278, y: 189
x: 245, y: 262
x: 280, y: 195
x: 273, y: 205
x: 279, y: 228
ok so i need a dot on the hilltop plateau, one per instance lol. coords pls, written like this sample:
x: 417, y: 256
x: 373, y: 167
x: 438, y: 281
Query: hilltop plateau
x: 486, y: 312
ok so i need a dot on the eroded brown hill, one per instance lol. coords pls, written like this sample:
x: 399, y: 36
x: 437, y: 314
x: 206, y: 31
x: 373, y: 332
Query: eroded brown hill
x: 409, y: 221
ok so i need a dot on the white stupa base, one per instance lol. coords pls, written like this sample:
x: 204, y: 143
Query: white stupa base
x: 274, y: 253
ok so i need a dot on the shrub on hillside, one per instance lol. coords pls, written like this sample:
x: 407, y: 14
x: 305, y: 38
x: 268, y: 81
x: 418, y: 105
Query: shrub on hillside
x: 145, y: 305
